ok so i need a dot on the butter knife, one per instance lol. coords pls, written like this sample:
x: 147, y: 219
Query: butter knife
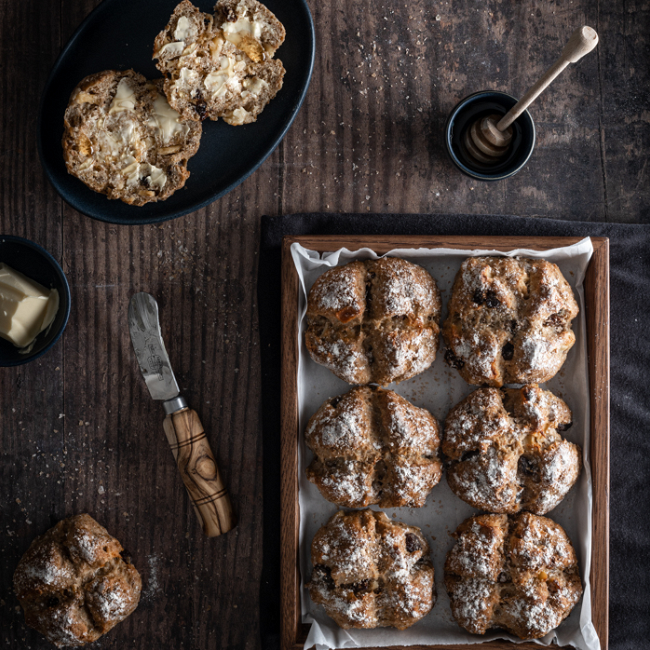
x: 185, y: 434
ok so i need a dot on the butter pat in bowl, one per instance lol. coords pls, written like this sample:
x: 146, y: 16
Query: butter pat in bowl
x: 34, y: 301
x: 27, y: 308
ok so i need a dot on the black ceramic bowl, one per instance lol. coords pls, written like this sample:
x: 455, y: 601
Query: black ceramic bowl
x: 118, y: 35
x: 36, y: 263
x: 479, y: 105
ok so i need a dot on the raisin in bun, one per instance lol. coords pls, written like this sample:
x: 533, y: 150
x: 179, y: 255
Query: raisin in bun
x: 220, y: 65
x: 505, y: 453
x: 371, y: 572
x: 509, y: 321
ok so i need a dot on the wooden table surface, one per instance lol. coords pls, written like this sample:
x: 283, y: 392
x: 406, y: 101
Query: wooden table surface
x: 78, y: 430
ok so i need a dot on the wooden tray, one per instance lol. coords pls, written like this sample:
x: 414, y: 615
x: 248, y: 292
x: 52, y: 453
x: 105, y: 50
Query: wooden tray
x: 596, y: 285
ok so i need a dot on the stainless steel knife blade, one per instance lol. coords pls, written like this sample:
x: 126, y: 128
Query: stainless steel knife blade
x: 149, y: 347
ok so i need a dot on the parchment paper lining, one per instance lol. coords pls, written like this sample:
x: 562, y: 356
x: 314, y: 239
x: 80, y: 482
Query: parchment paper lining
x: 438, y: 389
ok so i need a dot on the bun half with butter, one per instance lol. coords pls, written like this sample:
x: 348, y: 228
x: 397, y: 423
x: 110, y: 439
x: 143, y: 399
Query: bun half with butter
x: 123, y: 139
x: 27, y: 308
x: 220, y: 65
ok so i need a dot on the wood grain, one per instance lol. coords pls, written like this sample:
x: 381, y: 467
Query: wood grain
x: 293, y: 631
x: 107, y: 455
x: 291, y: 625
x: 597, y: 305
x: 369, y: 138
x: 198, y: 467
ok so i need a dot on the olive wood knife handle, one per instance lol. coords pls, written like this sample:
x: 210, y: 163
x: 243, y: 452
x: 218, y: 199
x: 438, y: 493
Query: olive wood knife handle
x: 199, y: 471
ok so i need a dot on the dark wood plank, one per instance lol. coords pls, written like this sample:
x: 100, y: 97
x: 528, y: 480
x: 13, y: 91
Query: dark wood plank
x: 290, y: 524
x: 597, y: 314
x: 357, y: 136
x: 387, y: 75
x: 29, y: 42
x: 205, y: 273
x: 109, y: 456
x: 597, y: 304
x: 32, y: 437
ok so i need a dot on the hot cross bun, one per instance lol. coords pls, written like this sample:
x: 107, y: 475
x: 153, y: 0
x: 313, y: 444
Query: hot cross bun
x: 371, y: 446
x: 509, y: 321
x: 74, y: 585
x: 374, y: 321
x: 517, y: 573
x: 505, y: 453
x: 371, y: 572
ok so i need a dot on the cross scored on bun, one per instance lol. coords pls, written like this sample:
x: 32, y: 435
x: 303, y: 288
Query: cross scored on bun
x: 371, y: 446
x: 509, y: 321
x: 518, y: 573
x: 371, y: 572
x: 74, y: 585
x: 374, y: 321
x: 505, y: 452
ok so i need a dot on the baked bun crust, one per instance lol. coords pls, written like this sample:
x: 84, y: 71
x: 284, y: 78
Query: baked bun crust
x: 374, y: 321
x: 517, y: 573
x: 123, y: 139
x: 509, y: 321
x: 504, y: 453
x: 220, y: 65
x: 371, y: 446
x: 371, y: 572
x: 73, y: 584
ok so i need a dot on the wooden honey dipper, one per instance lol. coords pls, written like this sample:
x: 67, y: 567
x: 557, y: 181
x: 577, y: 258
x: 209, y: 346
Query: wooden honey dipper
x: 488, y: 140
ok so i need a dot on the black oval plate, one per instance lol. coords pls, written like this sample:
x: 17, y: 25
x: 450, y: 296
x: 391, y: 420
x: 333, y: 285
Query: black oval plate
x: 119, y: 35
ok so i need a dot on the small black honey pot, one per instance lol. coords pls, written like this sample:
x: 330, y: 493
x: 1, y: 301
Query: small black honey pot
x: 490, y: 135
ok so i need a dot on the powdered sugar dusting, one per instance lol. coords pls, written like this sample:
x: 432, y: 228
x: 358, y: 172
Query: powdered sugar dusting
x: 374, y: 321
x: 350, y: 482
x: 111, y: 601
x: 64, y: 627
x: 478, y: 552
x: 371, y: 572
x: 403, y: 289
x: 517, y: 573
x: 73, y: 583
x: 339, y: 289
x: 47, y: 569
x: 479, y: 353
x: 353, y: 557
x: 406, y: 355
x: 342, y: 604
x: 338, y: 429
x: 505, y: 452
x: 472, y: 601
x: 373, y: 447
x: 509, y: 320
x: 538, y: 352
x: 474, y: 422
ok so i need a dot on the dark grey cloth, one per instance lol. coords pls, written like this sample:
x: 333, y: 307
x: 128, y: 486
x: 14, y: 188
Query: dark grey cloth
x: 630, y: 405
